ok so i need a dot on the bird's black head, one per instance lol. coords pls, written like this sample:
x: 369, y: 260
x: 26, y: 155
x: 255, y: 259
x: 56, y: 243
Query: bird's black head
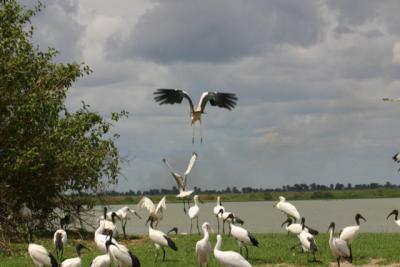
x: 109, y: 243
x: 175, y: 229
x: 150, y: 220
x: 395, y: 213
x: 105, y: 212
x: 331, y: 226
x: 288, y: 221
x: 113, y: 215
x: 79, y: 247
x: 221, y: 211
x: 230, y: 216
x: 358, y: 217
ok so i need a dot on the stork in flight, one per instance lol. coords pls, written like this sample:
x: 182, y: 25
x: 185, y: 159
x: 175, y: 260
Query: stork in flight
x: 175, y: 96
x: 181, y: 180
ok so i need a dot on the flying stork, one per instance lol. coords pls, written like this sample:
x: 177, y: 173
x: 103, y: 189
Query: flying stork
x: 156, y: 212
x: 175, y: 96
x: 181, y: 180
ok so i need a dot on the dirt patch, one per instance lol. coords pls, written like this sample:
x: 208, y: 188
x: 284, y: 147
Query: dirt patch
x: 373, y: 262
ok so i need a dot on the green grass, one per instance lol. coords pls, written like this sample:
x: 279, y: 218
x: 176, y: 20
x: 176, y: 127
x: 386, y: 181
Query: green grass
x: 309, y: 195
x: 274, y: 250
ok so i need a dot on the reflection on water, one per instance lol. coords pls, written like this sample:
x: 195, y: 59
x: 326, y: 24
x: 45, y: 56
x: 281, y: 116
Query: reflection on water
x: 261, y: 217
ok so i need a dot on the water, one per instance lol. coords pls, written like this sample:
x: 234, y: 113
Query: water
x: 261, y: 217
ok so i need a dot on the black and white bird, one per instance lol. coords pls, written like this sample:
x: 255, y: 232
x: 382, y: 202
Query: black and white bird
x: 59, y: 241
x: 40, y: 255
x: 396, y: 158
x: 74, y: 262
x: 160, y: 239
x: 243, y: 237
x: 203, y: 246
x: 121, y: 256
x: 181, y: 180
x: 217, y: 211
x: 123, y: 216
x: 339, y: 247
x: 175, y: 96
x: 156, y: 212
x: 228, y: 258
x: 296, y: 228
x: 101, y: 261
x: 349, y: 233
x: 230, y: 217
x: 288, y: 208
x: 396, y: 216
x: 391, y: 99
x: 110, y: 227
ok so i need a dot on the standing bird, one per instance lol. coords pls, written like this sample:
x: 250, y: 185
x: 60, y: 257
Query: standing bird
x: 121, y: 256
x: 308, y: 242
x: 229, y: 216
x: 160, y: 239
x: 396, y: 158
x: 101, y: 261
x: 175, y: 96
x: 228, y: 258
x: 122, y: 214
x: 74, y: 262
x: 203, y: 246
x: 296, y: 228
x: 39, y: 254
x: 181, y: 180
x: 396, y: 215
x: 339, y: 247
x: 59, y: 240
x: 100, y: 239
x: 349, y: 233
x: 110, y: 227
x: 194, y: 213
x: 243, y: 237
x: 217, y: 210
x: 288, y: 208
x: 156, y: 212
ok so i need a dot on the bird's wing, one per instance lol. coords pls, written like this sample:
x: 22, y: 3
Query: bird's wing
x: 222, y: 100
x: 172, y: 96
x: 391, y: 99
x: 178, y: 178
x: 342, y: 247
x: 290, y: 210
x: 146, y: 202
x: 39, y: 253
x: 191, y: 164
x: 349, y: 232
x: 161, y: 205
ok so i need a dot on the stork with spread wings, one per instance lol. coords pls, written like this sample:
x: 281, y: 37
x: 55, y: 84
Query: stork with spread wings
x: 155, y: 212
x: 175, y: 96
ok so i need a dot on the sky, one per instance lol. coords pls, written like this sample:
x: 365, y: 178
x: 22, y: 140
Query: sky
x: 310, y: 77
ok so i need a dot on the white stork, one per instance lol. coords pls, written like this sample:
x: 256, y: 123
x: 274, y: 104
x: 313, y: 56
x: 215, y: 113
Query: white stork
x: 160, y: 239
x: 181, y: 180
x: 296, y: 228
x: 74, y: 262
x: 39, y: 254
x: 59, y: 241
x: 338, y: 246
x: 396, y: 215
x: 121, y: 255
x: 349, y: 233
x: 122, y: 214
x: 175, y: 96
x: 194, y: 213
x: 203, y: 246
x: 288, y: 208
x: 243, y: 237
x: 156, y: 212
x: 228, y: 258
x: 217, y: 210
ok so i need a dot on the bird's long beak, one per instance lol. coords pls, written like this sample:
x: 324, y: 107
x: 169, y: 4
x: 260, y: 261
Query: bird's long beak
x: 390, y: 214
x: 285, y: 222
x: 363, y: 218
x: 175, y: 229
x: 137, y: 215
x: 148, y: 220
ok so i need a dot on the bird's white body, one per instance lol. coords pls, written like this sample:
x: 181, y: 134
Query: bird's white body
x: 101, y: 261
x: 305, y: 243
x: 203, y: 246
x: 195, y: 209
x: 39, y: 254
x: 349, y: 233
x: 120, y: 255
x: 63, y: 236
x: 101, y: 239
x: 295, y: 228
x: 218, y: 207
x: 73, y: 262
x: 288, y: 208
x: 158, y: 238
x: 110, y: 226
x: 240, y: 234
x: 339, y: 247
x: 228, y: 258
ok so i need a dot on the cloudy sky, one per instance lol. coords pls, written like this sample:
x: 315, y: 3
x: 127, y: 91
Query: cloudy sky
x: 310, y: 76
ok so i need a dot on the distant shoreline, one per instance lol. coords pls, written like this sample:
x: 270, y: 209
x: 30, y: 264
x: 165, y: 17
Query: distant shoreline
x: 260, y: 196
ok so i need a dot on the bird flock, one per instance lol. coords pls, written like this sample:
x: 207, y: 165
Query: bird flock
x: 113, y: 252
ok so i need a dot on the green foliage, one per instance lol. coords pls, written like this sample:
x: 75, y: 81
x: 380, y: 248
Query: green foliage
x: 46, y: 151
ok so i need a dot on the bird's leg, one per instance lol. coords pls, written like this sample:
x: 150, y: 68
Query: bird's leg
x: 201, y: 132
x: 338, y: 261
x: 223, y: 227
x: 163, y: 258
x: 123, y: 228
x: 217, y: 223
x: 247, y: 252
x: 230, y: 229
x: 197, y: 219
x: 240, y: 249
x: 191, y: 221
x: 184, y: 206
x: 155, y: 260
x: 193, y: 134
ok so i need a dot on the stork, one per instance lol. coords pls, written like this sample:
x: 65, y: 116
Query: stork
x: 122, y: 214
x: 156, y: 212
x: 228, y: 258
x: 175, y: 96
x: 243, y: 237
x: 228, y: 215
x: 203, y: 246
x: 288, y: 208
x: 349, y: 233
x: 296, y: 228
x: 160, y: 239
x: 59, y: 241
x: 194, y: 213
x: 40, y: 255
x: 338, y: 246
x: 101, y: 261
x: 121, y: 255
x: 396, y: 215
x: 181, y: 180
x: 217, y: 210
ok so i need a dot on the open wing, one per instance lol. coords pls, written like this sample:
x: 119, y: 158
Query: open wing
x: 222, y: 100
x: 161, y: 205
x: 146, y: 203
x: 191, y: 164
x: 177, y: 176
x: 172, y: 96
x: 391, y: 99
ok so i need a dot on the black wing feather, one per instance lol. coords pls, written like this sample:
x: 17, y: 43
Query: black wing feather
x: 171, y: 96
x: 171, y: 243
x: 53, y: 261
x: 222, y: 100
x: 135, y: 260
x: 253, y: 240
x: 312, y: 231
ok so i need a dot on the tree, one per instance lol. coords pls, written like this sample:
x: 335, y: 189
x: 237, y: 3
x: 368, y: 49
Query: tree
x: 47, y: 153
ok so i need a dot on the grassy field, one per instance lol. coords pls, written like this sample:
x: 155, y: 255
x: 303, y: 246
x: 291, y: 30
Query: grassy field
x: 332, y: 194
x: 380, y: 248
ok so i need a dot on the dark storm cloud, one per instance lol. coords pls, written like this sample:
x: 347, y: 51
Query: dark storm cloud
x: 218, y: 31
